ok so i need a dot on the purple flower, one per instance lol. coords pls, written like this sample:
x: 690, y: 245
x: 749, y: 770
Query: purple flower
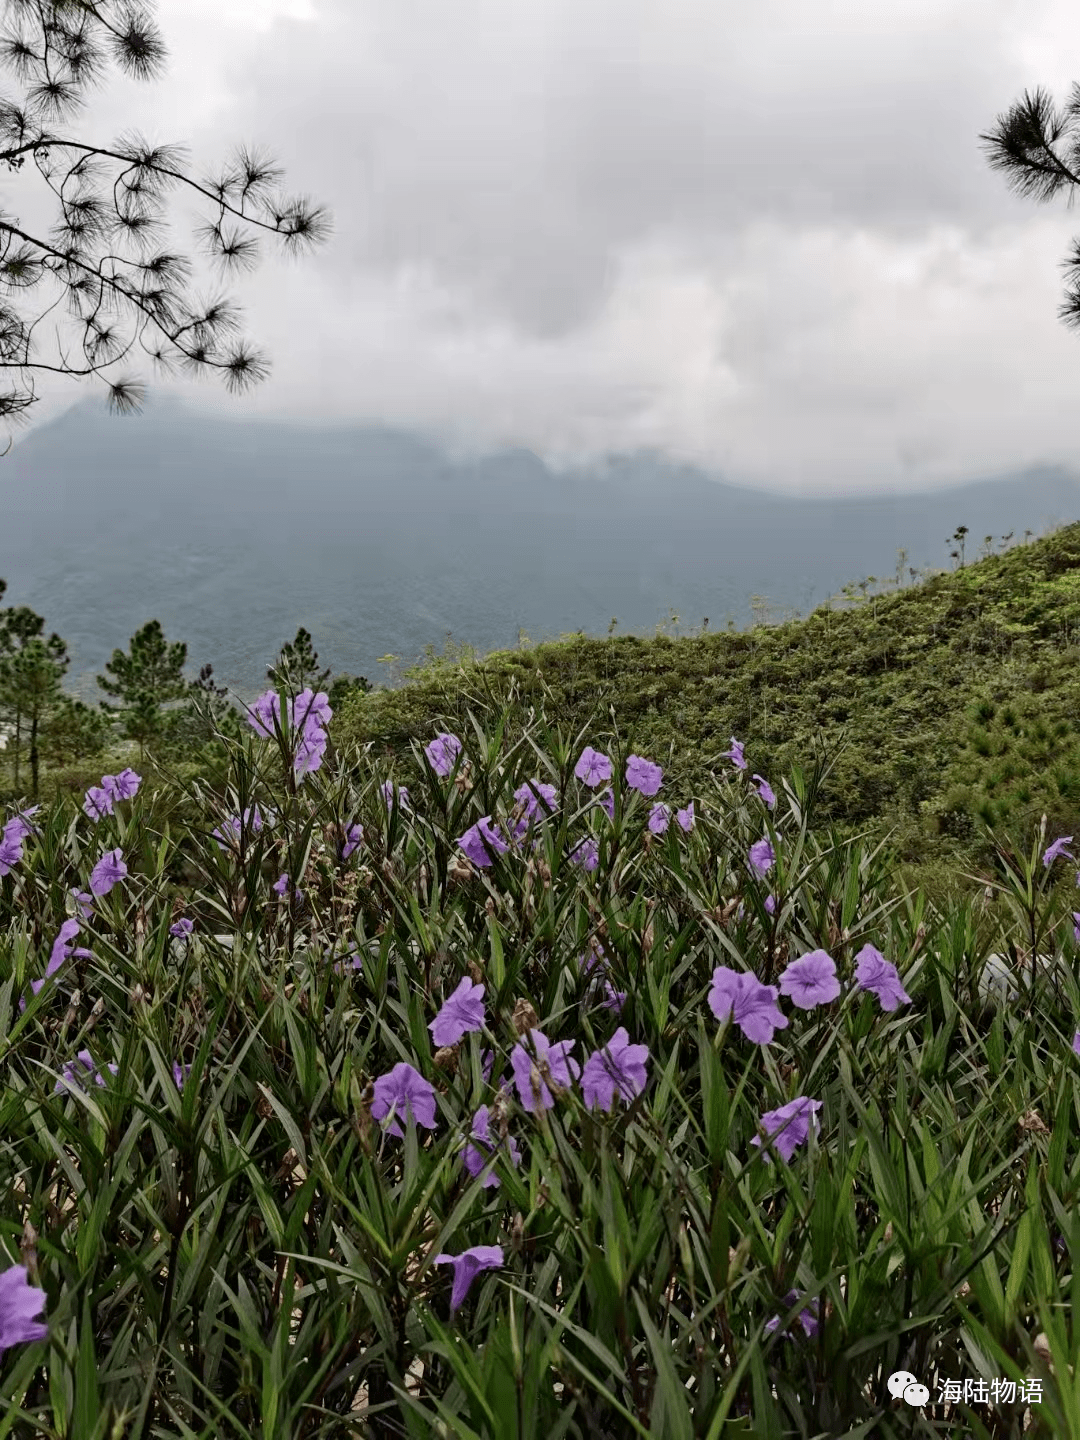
x: 1057, y: 848
x: 462, y: 1012
x: 17, y: 828
x: 770, y: 905
x: 98, y: 802
x: 182, y: 927
x: 789, y: 1126
x: 613, y: 999
x: 807, y: 1319
x: 534, y: 793
x: 262, y: 715
x: 123, y: 786
x: 659, y: 819
x: 735, y: 754
x: 84, y: 901
x: 753, y: 1004
x: 353, y: 836
x: 686, y: 817
x: 19, y: 1303
x: 108, y: 871
x: 387, y: 789
x: 606, y: 801
x: 61, y: 951
x: 252, y: 819
x: 617, y: 1068
x: 180, y: 1074
x: 766, y: 792
x: 1076, y: 1043
x: 873, y: 972
x: 309, y: 753
x: 467, y: 1266
x: 11, y: 852
x: 643, y: 776
x: 762, y: 856
x: 592, y: 768
x: 586, y: 852
x: 562, y: 1068
x: 590, y: 962
x: 482, y: 841
x: 1075, y: 915
x: 312, y: 712
x: 810, y: 980
x: 475, y: 1159
x: 306, y: 716
x: 442, y: 752
x: 282, y: 884
x: 86, y: 1067
x: 404, y: 1090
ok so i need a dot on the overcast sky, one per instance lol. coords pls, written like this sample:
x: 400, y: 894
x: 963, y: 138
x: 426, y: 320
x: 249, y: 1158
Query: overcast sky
x: 763, y: 239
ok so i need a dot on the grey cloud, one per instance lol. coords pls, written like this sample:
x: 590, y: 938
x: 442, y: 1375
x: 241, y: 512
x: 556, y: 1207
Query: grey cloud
x: 760, y: 238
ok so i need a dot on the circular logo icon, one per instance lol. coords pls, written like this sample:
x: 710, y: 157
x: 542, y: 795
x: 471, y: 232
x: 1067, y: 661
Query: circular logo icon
x: 900, y: 1381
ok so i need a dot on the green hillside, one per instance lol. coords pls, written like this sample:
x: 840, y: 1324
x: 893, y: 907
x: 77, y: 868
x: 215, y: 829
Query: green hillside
x: 955, y: 702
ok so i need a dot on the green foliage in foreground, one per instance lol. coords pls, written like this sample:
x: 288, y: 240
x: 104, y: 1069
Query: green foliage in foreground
x: 251, y: 1253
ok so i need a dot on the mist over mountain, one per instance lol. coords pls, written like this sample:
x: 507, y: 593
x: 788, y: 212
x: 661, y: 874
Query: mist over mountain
x: 234, y: 532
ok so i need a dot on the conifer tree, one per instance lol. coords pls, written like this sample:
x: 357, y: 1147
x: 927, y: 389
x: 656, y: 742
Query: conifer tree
x: 145, y: 679
x: 18, y: 626
x: 30, y: 677
x: 297, y: 666
x: 1024, y: 146
x: 110, y: 199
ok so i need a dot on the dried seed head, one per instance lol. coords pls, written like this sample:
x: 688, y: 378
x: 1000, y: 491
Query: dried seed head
x: 28, y: 1247
x: 446, y: 1059
x: 500, y: 1113
x: 548, y: 1079
x: 525, y: 1017
x: 475, y: 972
x: 1041, y: 1346
x: 459, y: 869
x: 517, y: 1232
x: 1030, y: 1120
x: 489, y: 905
x: 289, y: 1167
x: 647, y: 939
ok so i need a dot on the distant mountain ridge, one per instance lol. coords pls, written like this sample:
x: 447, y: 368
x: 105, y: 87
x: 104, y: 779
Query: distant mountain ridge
x: 234, y: 532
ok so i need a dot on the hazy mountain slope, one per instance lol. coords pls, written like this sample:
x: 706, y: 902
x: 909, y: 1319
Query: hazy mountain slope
x: 233, y: 533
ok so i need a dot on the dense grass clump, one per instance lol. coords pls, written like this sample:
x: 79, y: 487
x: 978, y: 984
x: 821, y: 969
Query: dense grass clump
x: 524, y: 1089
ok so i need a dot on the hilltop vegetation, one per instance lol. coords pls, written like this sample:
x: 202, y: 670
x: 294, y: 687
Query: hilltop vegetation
x: 955, y: 701
x: 944, y: 710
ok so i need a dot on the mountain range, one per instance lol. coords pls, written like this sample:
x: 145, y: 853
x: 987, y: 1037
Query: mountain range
x: 235, y: 532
